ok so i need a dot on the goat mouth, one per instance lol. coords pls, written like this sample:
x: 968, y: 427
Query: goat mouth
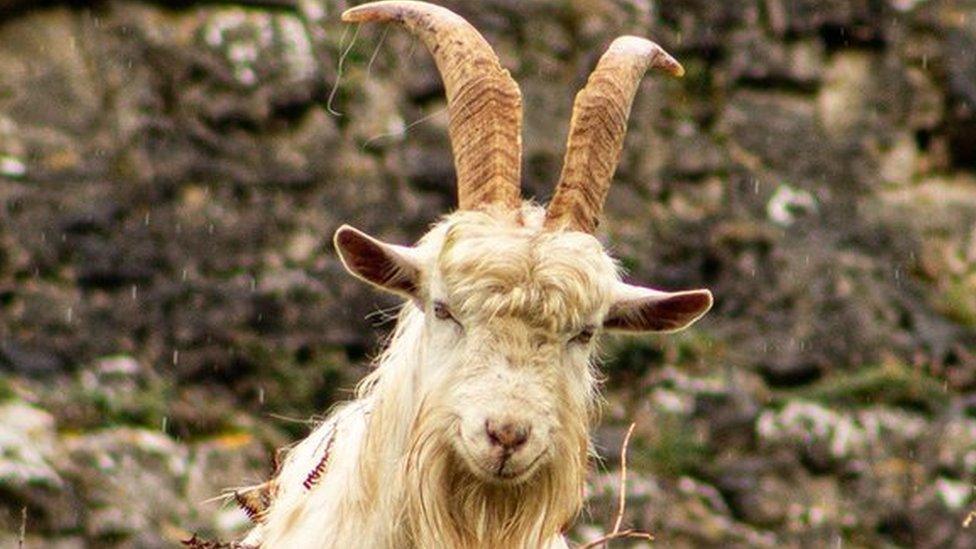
x: 498, y: 472
x: 521, y: 475
x: 501, y: 472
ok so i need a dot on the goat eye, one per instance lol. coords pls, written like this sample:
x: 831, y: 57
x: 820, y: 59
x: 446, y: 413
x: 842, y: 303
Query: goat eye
x: 583, y: 337
x: 442, y: 312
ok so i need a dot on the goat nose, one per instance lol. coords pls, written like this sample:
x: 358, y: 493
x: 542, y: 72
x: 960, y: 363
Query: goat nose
x: 508, y: 435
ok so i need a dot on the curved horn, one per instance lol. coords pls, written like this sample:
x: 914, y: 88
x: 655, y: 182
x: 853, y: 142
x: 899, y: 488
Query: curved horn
x: 597, y: 129
x: 484, y: 103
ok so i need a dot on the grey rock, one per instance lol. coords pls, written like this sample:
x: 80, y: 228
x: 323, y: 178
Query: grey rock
x: 171, y: 174
x: 961, y: 69
x: 27, y: 361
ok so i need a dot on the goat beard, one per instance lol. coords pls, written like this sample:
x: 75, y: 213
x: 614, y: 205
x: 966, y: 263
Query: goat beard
x: 446, y: 505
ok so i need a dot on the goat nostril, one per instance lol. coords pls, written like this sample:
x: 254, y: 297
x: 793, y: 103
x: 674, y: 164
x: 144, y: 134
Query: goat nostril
x: 508, y: 435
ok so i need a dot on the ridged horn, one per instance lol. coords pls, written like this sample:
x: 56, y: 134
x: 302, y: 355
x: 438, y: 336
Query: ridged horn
x: 597, y: 129
x: 484, y: 102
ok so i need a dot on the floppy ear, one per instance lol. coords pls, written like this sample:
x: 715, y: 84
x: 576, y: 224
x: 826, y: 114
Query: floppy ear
x: 390, y: 267
x: 639, y: 309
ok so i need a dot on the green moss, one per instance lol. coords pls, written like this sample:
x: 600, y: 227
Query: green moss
x: 628, y: 358
x: 893, y: 383
x: 629, y: 263
x: 143, y: 404
x: 694, y: 347
x: 6, y: 390
x: 958, y: 302
x: 265, y: 381
x: 296, y: 386
x: 673, y: 451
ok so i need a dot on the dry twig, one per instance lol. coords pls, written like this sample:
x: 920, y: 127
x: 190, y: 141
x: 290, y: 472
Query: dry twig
x: 629, y: 533
x: 622, y: 501
x: 617, y: 533
x: 968, y: 521
x: 23, y: 528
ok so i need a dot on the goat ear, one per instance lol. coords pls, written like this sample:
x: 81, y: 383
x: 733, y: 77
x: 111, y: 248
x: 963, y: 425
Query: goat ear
x: 388, y: 266
x: 638, y: 309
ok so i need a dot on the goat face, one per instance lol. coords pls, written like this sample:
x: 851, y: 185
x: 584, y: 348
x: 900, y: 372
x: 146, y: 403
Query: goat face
x: 512, y: 313
x: 512, y: 292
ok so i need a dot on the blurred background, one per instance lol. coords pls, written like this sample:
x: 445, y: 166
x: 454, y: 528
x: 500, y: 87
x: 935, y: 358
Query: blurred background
x: 171, y: 308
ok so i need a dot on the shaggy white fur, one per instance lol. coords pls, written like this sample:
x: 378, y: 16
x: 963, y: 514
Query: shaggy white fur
x: 497, y: 330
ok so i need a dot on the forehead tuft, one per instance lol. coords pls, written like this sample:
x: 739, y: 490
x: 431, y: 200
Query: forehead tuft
x: 490, y: 267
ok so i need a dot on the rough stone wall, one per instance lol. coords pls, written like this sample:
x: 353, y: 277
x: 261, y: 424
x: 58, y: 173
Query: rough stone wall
x: 171, y: 173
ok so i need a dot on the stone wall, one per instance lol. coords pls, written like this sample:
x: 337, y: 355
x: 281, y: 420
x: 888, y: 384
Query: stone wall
x: 171, y: 173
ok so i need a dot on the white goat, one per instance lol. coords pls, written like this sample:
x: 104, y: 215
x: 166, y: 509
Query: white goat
x: 473, y: 429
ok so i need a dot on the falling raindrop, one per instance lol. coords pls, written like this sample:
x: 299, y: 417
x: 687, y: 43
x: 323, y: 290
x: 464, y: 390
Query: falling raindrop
x: 165, y: 422
x: 145, y: 220
x: 183, y: 275
x: 70, y: 314
x: 176, y: 357
x: 135, y: 292
x: 261, y: 395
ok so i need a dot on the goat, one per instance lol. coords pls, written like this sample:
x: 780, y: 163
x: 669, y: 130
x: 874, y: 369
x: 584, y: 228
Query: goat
x: 473, y: 430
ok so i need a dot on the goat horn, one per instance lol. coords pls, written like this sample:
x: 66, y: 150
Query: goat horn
x: 597, y: 129
x: 484, y: 103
